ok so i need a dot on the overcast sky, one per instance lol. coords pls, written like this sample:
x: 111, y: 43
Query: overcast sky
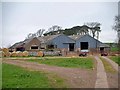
x: 22, y: 18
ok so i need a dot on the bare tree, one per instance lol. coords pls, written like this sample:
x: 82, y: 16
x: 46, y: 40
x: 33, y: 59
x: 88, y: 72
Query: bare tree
x: 37, y: 34
x: 40, y: 32
x: 29, y: 35
x: 94, y: 28
x: 54, y: 28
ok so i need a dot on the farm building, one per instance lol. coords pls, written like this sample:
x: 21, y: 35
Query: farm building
x: 64, y: 44
x: 88, y: 44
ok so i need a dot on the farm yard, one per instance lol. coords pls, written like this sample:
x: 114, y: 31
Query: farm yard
x: 60, y: 45
x: 36, y: 70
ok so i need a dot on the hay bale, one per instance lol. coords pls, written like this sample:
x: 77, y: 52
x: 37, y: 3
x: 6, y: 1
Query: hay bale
x: 5, y: 50
x: 19, y: 53
x: 7, y: 54
x: 25, y: 53
x: 13, y: 54
x: 40, y: 53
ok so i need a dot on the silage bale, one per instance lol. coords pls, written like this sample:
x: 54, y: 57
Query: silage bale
x: 25, y: 53
x: 40, y: 53
x: 13, y: 54
x: 19, y: 53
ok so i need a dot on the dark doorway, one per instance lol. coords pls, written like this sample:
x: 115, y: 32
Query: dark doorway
x: 34, y: 47
x: 71, y: 46
x: 20, y: 49
x: 101, y: 49
x: 84, y: 45
x: 50, y: 46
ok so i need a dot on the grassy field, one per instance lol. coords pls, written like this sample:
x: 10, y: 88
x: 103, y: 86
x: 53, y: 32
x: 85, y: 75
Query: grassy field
x: 87, y: 63
x: 115, y: 59
x: 17, y: 77
x: 113, y: 49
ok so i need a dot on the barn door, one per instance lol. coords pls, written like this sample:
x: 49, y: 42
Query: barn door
x: 71, y: 46
x: 84, y: 45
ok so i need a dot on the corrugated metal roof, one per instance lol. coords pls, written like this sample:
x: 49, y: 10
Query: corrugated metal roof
x: 103, y: 45
x: 75, y: 37
x: 45, y: 39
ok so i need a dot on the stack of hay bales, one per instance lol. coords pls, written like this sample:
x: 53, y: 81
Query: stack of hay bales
x: 14, y: 54
x: 40, y: 54
x: 5, y: 52
x: 19, y: 53
x: 25, y: 53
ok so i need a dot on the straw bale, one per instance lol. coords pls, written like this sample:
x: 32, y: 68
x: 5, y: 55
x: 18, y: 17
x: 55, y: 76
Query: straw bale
x: 40, y: 53
x: 25, y: 53
x: 14, y: 54
x: 5, y: 50
x: 7, y: 54
x: 19, y: 53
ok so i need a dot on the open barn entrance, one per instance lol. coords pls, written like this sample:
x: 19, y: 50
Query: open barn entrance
x: 101, y: 49
x: 20, y: 49
x: 71, y: 46
x: 84, y: 45
x: 34, y: 47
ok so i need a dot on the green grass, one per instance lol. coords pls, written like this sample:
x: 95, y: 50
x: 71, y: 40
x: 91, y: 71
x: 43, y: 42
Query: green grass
x: 17, y: 77
x: 107, y: 66
x: 113, y: 49
x: 115, y: 59
x: 67, y: 62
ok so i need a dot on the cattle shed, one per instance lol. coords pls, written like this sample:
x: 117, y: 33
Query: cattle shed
x: 63, y: 43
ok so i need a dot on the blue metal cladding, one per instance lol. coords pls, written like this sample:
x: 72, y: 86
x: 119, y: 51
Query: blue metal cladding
x: 62, y: 41
x: 92, y: 43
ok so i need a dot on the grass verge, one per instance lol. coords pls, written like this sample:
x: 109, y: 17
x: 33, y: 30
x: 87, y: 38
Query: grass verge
x: 114, y: 49
x: 115, y: 59
x: 107, y: 66
x: 17, y: 77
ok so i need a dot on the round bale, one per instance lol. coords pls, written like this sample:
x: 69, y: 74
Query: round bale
x: 25, y: 53
x: 13, y: 54
x: 19, y: 53
x: 40, y: 54
x: 5, y: 50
